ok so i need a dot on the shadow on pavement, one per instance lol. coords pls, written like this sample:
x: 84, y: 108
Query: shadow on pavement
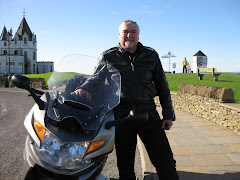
x: 198, y: 176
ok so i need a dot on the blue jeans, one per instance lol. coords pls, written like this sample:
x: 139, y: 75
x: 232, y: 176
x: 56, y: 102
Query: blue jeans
x: 156, y: 144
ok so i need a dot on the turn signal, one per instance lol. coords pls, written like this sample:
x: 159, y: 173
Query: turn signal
x: 94, y: 146
x: 39, y: 129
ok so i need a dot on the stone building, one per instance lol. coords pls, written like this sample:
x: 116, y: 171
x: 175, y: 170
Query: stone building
x: 45, y: 67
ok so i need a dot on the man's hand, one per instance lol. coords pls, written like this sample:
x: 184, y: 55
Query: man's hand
x: 82, y: 92
x: 167, y: 124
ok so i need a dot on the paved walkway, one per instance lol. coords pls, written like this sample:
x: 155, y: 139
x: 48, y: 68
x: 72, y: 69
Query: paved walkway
x: 203, y: 150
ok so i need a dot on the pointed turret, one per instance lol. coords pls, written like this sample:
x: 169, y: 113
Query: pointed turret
x: 24, y: 28
x: 4, y: 34
x: 199, y: 53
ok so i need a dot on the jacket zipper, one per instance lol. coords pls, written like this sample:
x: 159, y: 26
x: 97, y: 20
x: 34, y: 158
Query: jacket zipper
x: 133, y: 76
x: 132, y: 66
x: 131, y: 62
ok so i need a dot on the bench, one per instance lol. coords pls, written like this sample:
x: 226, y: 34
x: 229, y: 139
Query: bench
x: 202, y: 71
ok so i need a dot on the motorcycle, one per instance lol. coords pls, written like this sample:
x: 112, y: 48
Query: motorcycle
x: 70, y: 136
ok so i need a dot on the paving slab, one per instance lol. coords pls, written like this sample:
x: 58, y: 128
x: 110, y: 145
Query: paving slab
x: 173, y: 142
x: 183, y: 150
x: 183, y: 161
x: 224, y: 140
x: 193, y: 141
x: 235, y: 157
x: 202, y: 123
x: 211, y: 160
x: 210, y: 149
x: 233, y: 147
x: 221, y: 132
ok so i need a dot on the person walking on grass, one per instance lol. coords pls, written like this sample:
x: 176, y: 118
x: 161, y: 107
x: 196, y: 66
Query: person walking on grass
x: 185, y: 63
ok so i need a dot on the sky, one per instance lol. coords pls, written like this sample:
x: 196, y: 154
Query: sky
x: 89, y: 27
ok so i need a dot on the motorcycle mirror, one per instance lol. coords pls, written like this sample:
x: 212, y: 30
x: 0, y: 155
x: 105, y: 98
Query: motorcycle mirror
x: 138, y: 116
x: 20, y: 81
x: 24, y: 83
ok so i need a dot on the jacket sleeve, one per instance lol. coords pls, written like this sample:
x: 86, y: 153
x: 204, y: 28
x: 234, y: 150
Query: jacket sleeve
x: 95, y: 80
x: 163, y: 91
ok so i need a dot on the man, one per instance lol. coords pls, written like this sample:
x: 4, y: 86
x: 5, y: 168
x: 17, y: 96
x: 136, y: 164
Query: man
x: 185, y: 63
x: 142, y: 78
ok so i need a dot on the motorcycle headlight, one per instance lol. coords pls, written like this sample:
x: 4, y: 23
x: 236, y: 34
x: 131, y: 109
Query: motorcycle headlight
x: 63, y: 154
x: 59, y: 154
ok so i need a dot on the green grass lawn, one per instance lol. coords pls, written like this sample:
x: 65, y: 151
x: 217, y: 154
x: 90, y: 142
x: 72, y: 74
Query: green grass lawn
x: 229, y: 80
x: 45, y: 76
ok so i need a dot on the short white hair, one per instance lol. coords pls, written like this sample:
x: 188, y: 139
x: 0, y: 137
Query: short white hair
x: 129, y: 22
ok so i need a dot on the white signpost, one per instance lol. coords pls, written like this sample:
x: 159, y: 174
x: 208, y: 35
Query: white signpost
x: 168, y: 56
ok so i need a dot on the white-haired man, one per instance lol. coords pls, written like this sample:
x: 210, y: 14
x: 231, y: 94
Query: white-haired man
x: 142, y: 78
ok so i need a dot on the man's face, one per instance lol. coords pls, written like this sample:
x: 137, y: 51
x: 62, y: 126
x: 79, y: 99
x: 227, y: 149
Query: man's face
x: 129, y: 37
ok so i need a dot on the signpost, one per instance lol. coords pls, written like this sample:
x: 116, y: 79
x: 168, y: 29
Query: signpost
x: 168, y: 56
x: 174, y: 67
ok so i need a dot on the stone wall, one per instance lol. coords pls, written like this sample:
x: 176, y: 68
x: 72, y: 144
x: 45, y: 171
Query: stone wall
x: 210, y: 105
x: 37, y: 83
x: 4, y: 82
x: 222, y: 94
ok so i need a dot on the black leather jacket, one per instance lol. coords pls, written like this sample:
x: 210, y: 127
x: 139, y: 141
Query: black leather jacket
x: 142, y: 78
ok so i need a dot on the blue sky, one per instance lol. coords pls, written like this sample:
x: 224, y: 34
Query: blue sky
x: 182, y: 27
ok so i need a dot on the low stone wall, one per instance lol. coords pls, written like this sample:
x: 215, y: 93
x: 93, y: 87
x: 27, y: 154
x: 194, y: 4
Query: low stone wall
x: 209, y: 105
x: 222, y: 94
x: 4, y: 82
x: 36, y: 83
x: 211, y: 109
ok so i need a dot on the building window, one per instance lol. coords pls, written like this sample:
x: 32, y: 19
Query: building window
x: 15, y: 40
x: 33, y: 68
x: 11, y: 63
x: 34, y: 55
x: 25, y: 40
x: 20, y: 52
x: 15, y: 52
x: 33, y: 41
x: 5, y: 52
x: 25, y: 55
x: 5, y: 43
x: 43, y: 68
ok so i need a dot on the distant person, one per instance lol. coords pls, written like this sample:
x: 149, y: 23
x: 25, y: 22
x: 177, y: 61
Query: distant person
x: 188, y: 68
x: 185, y: 63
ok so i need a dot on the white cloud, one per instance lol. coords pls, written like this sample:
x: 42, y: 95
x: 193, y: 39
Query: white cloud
x: 115, y: 12
x: 145, y: 12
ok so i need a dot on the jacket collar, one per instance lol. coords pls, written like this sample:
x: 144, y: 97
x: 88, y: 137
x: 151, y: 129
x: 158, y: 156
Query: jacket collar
x: 138, y: 50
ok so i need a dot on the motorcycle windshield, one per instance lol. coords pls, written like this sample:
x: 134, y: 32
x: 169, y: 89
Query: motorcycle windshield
x: 77, y: 71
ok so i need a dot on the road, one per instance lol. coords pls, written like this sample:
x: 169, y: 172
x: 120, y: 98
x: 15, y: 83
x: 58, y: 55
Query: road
x: 14, y: 106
